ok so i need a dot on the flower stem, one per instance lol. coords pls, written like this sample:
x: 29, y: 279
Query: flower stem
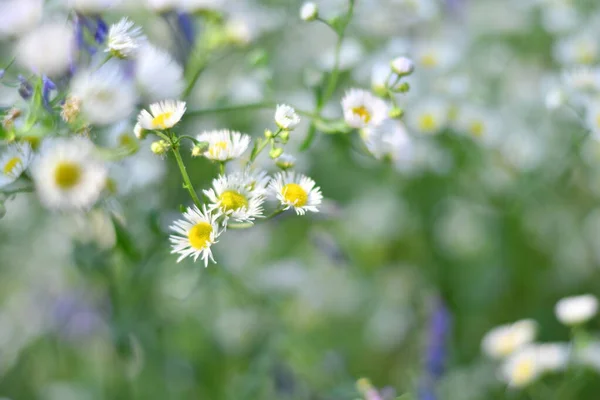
x: 186, y: 178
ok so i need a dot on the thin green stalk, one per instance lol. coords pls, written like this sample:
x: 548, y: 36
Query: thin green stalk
x: 240, y: 107
x: 186, y: 179
x: 27, y: 189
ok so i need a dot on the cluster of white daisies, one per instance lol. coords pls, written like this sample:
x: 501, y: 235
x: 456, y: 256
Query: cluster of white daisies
x: 523, y: 361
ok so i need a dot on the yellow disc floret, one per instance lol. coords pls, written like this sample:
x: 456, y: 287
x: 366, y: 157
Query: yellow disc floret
x: 67, y: 175
x: 295, y: 194
x: 214, y: 149
x: 232, y: 200
x: 199, y: 235
x: 160, y: 121
x: 10, y: 165
x: 427, y: 123
x: 363, y: 113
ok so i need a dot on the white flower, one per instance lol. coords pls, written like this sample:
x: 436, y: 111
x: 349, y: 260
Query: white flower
x: 286, y: 117
x: 506, y: 339
x: 195, y: 234
x: 285, y: 161
x: 579, y: 49
x: 297, y: 191
x: 403, y: 66
x: 106, y: 95
x: 139, y: 132
x: 224, y: 145
x: 92, y: 6
x: 576, y: 310
x: 390, y: 140
x: 67, y: 173
x: 309, y: 11
x: 362, y: 109
x: 237, y: 196
x: 437, y: 55
x: 14, y: 159
x: 521, y: 368
x: 553, y: 357
x: 429, y: 116
x: 162, y: 5
x: 48, y: 49
x: 19, y: 16
x: 124, y: 39
x: 157, y: 74
x: 163, y: 115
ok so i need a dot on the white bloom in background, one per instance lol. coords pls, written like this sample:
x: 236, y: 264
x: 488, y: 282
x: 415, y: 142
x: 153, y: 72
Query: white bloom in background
x: 476, y: 123
x: 580, y: 49
x: 157, y: 74
x: 553, y: 357
x: 576, y: 310
x: 106, y: 96
x: 163, y: 115
x: 581, y: 82
x: 351, y: 53
x: 390, y: 141
x: 196, y: 5
x: 195, y: 234
x: 14, y: 159
x: 239, y: 30
x: 67, y: 173
x: 48, y: 49
x: 285, y: 161
x: 428, y: 117
x: 402, y: 66
x: 286, y: 117
x: 224, y: 145
x: 521, y: 368
x: 381, y: 77
x: 234, y: 196
x: 19, y: 16
x: 555, y: 98
x: 309, y: 11
x: 436, y: 55
x: 363, y: 109
x: 124, y: 39
x: 506, y: 339
x: 296, y: 191
x: 162, y: 5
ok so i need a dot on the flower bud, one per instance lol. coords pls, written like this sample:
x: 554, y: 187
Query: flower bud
x: 160, y: 147
x: 402, y: 88
x: 268, y: 134
x: 275, y: 152
x: 284, y: 136
x: 396, y: 112
x: 402, y: 66
x: 199, y: 149
x: 285, y: 161
x: 309, y: 11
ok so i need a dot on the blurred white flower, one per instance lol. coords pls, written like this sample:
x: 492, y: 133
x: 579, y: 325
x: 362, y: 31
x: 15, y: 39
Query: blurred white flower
x: 390, y: 141
x: 92, y: 6
x: 48, y: 49
x: 428, y: 116
x: 296, y: 191
x: 106, y: 96
x: 157, y: 74
x: 67, y: 173
x: 19, y: 16
x: 224, y: 145
x: 553, y: 357
x: 351, y: 53
x: 163, y: 115
x: 521, y: 368
x: 506, y: 339
x: 309, y: 11
x: 195, y: 234
x: 579, y: 49
x: 402, y: 66
x: 363, y: 109
x: 124, y: 39
x: 286, y: 117
x: 14, y: 160
x: 162, y: 6
x: 235, y: 197
x: 477, y: 123
x: 195, y: 5
x: 559, y: 17
x: 438, y: 56
x: 577, y: 309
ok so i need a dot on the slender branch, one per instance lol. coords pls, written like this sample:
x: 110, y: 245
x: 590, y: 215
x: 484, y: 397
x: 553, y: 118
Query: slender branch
x: 185, y: 176
x: 9, y: 192
x: 232, y: 108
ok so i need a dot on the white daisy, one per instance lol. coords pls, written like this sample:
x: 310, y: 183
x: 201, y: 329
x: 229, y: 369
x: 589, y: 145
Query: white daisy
x: 13, y: 161
x: 577, y: 309
x: 579, y: 49
x: 506, y: 339
x: 48, y: 49
x: 106, y: 95
x: 67, y: 173
x: 522, y: 368
x: 390, y: 141
x: 237, y: 196
x: 297, y: 191
x: 362, y: 109
x: 195, y: 234
x: 402, y: 66
x: 157, y: 74
x: 309, y: 11
x: 429, y: 116
x: 286, y: 117
x: 19, y: 16
x: 224, y: 145
x: 124, y: 39
x: 163, y: 115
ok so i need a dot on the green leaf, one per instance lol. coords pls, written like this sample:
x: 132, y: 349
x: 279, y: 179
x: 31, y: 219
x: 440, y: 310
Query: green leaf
x: 125, y: 241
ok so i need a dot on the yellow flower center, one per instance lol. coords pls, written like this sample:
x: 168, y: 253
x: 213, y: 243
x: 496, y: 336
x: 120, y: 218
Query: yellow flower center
x: 363, y: 113
x: 214, y: 149
x: 429, y: 60
x: 232, y: 200
x: 427, y: 123
x: 294, y: 194
x: 585, y: 54
x: 507, y: 344
x: 523, y: 373
x: 477, y: 128
x: 199, y: 235
x: 160, y: 121
x: 67, y: 175
x: 126, y: 140
x: 10, y: 165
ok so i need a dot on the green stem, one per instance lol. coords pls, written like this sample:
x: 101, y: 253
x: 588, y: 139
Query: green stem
x: 26, y: 189
x: 222, y: 167
x: 274, y: 213
x: 201, y: 67
x: 239, y: 107
x: 185, y: 176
